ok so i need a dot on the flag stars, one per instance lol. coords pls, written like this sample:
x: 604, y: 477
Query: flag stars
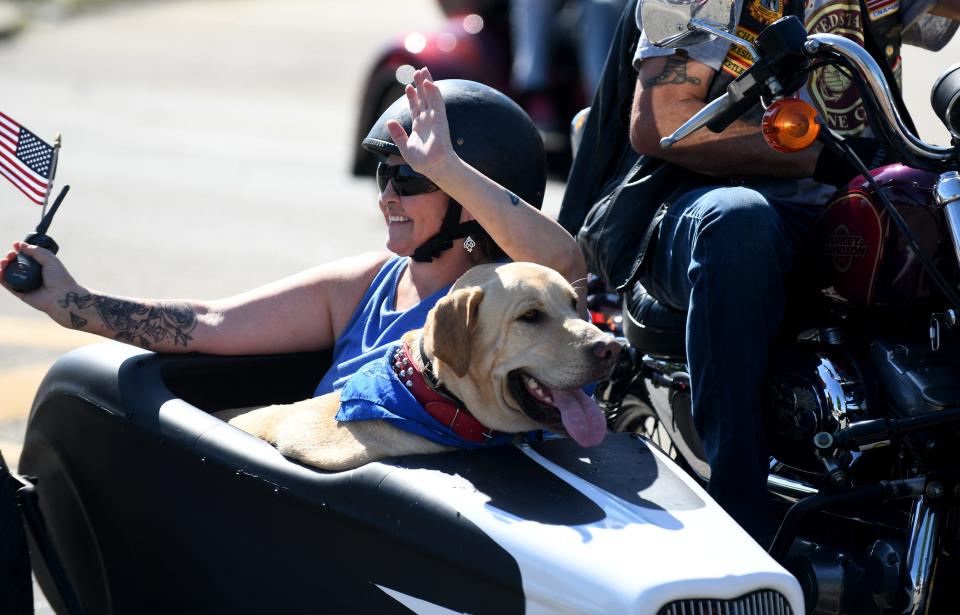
x: 34, y: 152
x: 26, y: 160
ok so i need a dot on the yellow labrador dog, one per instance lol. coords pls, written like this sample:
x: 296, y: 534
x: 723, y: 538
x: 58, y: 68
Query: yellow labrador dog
x: 503, y: 353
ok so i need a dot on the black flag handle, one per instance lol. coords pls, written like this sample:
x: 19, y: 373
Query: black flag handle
x: 47, y: 219
x: 25, y: 274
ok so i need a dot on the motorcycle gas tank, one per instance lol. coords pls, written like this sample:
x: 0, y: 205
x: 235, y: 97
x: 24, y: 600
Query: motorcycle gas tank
x: 864, y: 259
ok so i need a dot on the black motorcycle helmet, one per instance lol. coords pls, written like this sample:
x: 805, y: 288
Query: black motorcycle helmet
x: 489, y: 132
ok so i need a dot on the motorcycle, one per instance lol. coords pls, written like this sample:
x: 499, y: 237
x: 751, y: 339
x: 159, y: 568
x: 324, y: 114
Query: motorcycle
x: 473, y: 43
x: 863, y: 393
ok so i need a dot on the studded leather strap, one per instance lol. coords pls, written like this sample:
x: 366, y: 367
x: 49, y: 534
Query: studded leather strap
x: 440, y: 407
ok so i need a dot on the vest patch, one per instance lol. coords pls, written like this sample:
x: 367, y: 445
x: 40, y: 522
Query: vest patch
x: 882, y: 8
x: 767, y: 11
x: 738, y: 58
x: 835, y: 95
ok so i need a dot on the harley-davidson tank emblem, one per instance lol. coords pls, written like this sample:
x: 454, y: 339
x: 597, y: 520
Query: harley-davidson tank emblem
x: 843, y: 247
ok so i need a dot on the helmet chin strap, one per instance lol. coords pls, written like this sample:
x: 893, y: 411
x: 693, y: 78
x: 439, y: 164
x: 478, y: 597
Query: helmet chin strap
x: 451, y: 229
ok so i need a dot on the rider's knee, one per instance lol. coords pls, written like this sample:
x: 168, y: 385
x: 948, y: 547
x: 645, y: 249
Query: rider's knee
x: 740, y: 219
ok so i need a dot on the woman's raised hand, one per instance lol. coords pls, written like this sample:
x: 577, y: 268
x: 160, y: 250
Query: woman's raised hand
x: 57, y: 281
x: 427, y: 148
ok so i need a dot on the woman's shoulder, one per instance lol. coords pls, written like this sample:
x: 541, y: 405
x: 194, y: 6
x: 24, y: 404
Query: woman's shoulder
x: 358, y: 270
x: 343, y: 284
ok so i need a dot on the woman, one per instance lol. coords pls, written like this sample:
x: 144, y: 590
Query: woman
x: 442, y: 203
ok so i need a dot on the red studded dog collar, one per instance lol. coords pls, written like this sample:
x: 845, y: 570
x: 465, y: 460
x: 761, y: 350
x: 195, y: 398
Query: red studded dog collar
x: 447, y: 410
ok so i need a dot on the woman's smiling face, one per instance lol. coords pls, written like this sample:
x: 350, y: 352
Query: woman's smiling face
x: 411, y: 220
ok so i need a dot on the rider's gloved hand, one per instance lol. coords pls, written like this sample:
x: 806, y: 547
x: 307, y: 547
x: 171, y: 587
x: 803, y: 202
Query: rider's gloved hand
x: 834, y: 169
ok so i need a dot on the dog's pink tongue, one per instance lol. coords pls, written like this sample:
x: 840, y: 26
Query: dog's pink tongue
x: 581, y: 416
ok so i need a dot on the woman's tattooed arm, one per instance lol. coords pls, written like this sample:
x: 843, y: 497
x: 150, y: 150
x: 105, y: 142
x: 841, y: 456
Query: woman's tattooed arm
x: 144, y: 325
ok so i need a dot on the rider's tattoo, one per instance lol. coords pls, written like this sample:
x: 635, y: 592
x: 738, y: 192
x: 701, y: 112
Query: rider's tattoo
x: 136, y: 323
x: 674, y: 72
x: 77, y: 322
x: 514, y: 199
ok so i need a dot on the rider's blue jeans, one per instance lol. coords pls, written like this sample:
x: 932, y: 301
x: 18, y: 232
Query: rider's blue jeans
x: 722, y: 254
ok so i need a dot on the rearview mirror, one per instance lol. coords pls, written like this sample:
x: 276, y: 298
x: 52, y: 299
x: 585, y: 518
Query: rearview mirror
x: 682, y: 23
x: 945, y: 99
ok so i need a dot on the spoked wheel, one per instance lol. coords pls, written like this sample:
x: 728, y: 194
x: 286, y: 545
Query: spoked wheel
x: 636, y: 415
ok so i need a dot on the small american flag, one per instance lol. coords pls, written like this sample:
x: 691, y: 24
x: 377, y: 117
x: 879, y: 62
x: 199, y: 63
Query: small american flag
x: 25, y: 159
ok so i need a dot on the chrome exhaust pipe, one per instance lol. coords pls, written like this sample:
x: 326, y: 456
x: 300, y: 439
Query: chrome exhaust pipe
x: 789, y: 489
x: 926, y: 525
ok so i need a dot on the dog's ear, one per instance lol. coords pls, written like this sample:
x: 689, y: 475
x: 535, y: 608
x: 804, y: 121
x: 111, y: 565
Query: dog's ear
x: 449, y: 327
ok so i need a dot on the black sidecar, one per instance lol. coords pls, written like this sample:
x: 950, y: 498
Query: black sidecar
x: 137, y: 499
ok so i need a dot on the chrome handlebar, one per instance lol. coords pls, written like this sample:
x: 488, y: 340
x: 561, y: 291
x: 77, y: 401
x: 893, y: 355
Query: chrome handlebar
x: 832, y: 46
x: 829, y: 46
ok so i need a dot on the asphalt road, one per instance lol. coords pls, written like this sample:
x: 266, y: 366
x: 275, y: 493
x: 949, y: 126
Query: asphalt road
x: 207, y: 144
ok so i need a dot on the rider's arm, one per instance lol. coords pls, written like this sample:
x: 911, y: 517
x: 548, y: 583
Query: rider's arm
x: 306, y: 311
x: 669, y: 91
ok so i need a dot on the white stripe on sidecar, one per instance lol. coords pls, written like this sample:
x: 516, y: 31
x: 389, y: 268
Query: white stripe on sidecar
x: 634, y: 560
x: 421, y: 607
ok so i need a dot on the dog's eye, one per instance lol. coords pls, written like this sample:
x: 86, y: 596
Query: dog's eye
x: 533, y: 315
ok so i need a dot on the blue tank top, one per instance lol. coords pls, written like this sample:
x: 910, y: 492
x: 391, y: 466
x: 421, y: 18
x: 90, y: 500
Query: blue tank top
x: 375, y: 324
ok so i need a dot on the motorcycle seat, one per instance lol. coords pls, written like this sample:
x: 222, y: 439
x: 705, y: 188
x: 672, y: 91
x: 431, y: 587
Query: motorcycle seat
x: 652, y: 327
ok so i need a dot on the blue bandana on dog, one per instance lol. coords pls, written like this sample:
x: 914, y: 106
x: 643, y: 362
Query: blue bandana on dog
x: 376, y: 393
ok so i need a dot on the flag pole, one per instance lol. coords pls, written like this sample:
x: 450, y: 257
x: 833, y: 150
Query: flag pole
x: 53, y: 173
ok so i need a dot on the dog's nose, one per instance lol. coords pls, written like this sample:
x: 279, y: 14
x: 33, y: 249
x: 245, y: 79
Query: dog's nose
x: 606, y: 350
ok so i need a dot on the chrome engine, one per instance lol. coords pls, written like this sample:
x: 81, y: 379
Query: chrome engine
x: 810, y: 391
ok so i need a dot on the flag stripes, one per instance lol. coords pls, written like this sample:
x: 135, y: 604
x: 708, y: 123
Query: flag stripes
x: 25, y: 159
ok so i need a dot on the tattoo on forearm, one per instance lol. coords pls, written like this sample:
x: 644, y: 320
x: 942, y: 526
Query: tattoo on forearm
x: 514, y: 199
x: 136, y: 323
x: 674, y: 72
x: 77, y: 322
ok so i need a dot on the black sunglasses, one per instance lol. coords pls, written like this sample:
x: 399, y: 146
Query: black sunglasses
x: 405, y: 181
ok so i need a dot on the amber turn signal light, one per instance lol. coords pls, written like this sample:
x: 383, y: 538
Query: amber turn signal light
x: 790, y: 125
